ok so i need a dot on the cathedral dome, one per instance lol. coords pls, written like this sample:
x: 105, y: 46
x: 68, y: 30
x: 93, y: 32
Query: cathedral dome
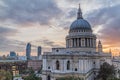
x: 80, y: 36
x: 80, y: 24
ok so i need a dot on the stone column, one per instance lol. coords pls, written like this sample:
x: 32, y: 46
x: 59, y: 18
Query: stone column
x: 62, y: 65
x: 90, y: 42
x: 80, y: 66
x: 71, y: 42
x: 44, y: 64
x: 87, y: 42
x: 77, y: 42
x: 74, y: 42
x: 66, y: 43
x: 82, y: 42
x: 93, y: 43
x: 83, y: 65
x: 52, y: 67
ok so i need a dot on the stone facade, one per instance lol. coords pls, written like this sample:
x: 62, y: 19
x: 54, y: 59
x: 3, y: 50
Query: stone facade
x: 84, y: 65
x: 79, y: 58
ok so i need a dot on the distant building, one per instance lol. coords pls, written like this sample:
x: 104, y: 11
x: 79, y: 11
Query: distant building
x: 39, y: 50
x: 28, y: 51
x: 22, y: 58
x: 7, y: 65
x: 99, y: 47
x: 12, y: 54
x: 34, y: 58
x: 39, y: 53
x: 35, y: 64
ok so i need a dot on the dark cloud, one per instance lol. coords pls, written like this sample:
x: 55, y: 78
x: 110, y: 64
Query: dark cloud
x: 29, y: 11
x: 71, y: 13
x: 109, y: 19
x: 7, y: 44
x: 46, y: 43
x: 50, y: 43
x: 7, y: 31
x: 89, y: 2
x: 69, y: 16
x: 104, y: 15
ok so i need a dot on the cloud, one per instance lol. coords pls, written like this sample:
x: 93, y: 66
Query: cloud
x: 71, y: 13
x: 101, y: 3
x: 11, y: 45
x: 7, y: 44
x: 46, y: 43
x: 29, y: 11
x: 109, y: 19
x: 50, y: 43
x: 105, y: 14
x: 7, y: 31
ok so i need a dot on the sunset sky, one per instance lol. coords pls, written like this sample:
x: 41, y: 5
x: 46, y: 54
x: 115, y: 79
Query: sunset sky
x: 46, y: 23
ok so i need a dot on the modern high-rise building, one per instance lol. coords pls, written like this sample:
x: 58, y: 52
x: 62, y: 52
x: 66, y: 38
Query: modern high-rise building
x: 28, y: 51
x: 39, y: 51
x: 12, y: 54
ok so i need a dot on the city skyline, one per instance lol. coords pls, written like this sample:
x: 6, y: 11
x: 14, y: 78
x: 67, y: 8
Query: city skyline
x: 46, y: 23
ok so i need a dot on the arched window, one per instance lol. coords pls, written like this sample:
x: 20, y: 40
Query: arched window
x: 48, y: 77
x: 57, y: 50
x: 68, y: 65
x: 57, y: 65
x: 75, y: 69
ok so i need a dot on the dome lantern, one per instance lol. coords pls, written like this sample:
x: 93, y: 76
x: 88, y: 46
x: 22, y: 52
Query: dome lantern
x: 79, y: 14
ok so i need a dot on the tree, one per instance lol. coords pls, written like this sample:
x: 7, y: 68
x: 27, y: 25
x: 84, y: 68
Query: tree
x: 5, y: 75
x: 40, y: 70
x: 113, y: 79
x: 106, y: 71
x: 31, y: 76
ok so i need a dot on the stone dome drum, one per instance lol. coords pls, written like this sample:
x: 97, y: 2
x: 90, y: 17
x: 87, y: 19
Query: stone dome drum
x: 80, y: 24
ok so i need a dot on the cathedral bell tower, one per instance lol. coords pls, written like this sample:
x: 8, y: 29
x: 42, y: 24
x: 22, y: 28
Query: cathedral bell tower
x: 100, y: 46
